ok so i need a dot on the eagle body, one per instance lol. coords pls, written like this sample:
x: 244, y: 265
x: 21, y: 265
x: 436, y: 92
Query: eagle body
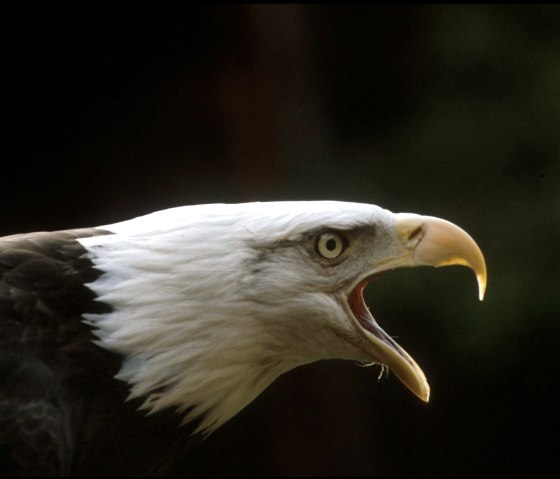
x: 122, y: 344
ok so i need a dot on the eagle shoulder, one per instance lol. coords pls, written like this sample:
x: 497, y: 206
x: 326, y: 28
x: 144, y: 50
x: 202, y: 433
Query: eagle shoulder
x: 44, y: 346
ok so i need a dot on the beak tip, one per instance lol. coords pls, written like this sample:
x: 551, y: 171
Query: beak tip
x: 481, y: 278
x: 423, y: 393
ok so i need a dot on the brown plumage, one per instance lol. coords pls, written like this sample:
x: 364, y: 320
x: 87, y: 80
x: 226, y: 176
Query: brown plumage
x: 61, y: 411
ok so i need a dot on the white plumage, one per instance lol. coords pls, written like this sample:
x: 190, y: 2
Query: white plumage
x: 201, y: 294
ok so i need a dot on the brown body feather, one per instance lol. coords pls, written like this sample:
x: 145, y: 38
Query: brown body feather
x: 61, y: 410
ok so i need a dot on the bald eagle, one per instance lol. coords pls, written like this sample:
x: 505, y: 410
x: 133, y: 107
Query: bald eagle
x: 162, y: 328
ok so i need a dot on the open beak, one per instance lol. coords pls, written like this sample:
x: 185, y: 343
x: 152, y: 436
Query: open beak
x: 422, y: 240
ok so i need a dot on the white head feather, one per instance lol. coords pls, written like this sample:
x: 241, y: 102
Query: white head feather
x: 213, y: 302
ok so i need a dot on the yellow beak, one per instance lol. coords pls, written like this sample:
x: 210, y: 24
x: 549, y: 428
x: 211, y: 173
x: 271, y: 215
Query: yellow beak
x: 436, y: 242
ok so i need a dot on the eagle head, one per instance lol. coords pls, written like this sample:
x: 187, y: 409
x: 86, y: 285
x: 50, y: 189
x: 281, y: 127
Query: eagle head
x: 211, y: 303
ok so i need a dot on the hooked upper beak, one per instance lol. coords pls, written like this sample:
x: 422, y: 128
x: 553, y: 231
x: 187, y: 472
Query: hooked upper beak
x: 436, y: 242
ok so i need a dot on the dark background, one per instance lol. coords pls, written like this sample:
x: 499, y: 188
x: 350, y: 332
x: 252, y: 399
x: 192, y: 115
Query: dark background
x: 112, y: 111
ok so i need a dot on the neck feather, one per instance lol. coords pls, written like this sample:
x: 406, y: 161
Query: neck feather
x: 190, y: 337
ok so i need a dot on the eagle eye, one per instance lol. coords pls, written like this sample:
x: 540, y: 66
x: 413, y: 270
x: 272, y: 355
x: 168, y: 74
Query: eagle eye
x: 331, y: 245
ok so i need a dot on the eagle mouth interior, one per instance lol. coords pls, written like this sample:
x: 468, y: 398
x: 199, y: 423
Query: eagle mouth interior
x: 361, y: 311
x: 382, y: 347
x: 363, y: 315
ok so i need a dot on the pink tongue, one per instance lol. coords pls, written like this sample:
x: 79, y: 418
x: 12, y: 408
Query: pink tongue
x: 361, y: 311
x: 363, y: 315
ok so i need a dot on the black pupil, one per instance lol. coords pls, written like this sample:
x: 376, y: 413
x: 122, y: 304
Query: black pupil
x: 331, y: 244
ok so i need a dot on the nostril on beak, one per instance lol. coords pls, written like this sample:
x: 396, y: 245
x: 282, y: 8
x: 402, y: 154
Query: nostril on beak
x: 415, y: 234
